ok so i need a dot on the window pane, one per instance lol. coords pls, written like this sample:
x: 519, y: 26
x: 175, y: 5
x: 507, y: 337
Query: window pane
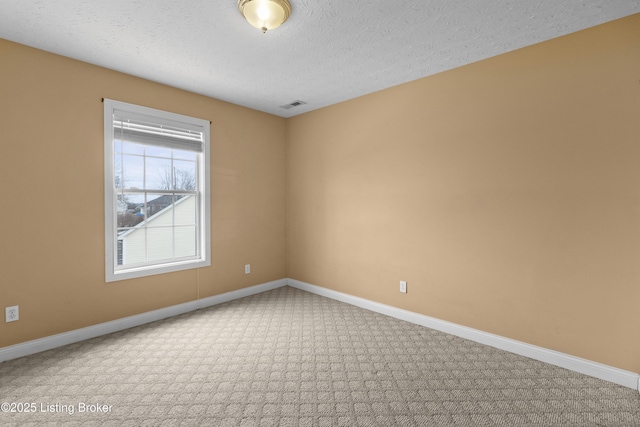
x: 185, y: 211
x: 132, y: 171
x: 131, y: 148
x: 159, y: 243
x: 121, y: 205
x: 186, y: 241
x: 184, y: 155
x: 156, y: 151
x: 185, y: 175
x: 135, y: 201
x: 131, y: 245
x: 130, y: 210
x: 160, y: 210
x: 119, y: 254
x: 118, y: 178
x: 158, y: 174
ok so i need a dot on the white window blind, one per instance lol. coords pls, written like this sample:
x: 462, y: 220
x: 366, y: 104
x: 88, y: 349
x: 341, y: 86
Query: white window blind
x: 166, y: 133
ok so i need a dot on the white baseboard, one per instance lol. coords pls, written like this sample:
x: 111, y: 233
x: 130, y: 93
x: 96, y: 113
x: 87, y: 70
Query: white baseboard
x: 576, y: 364
x: 65, y: 338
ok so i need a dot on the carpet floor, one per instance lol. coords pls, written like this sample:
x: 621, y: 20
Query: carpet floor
x: 290, y: 358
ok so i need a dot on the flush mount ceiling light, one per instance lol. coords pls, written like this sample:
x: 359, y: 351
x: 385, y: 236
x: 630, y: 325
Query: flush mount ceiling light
x: 265, y: 14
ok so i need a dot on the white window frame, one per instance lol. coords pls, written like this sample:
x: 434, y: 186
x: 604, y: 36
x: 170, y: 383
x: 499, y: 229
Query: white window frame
x: 203, y: 259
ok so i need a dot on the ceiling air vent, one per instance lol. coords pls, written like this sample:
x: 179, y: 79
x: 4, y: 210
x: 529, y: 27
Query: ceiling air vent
x: 292, y: 105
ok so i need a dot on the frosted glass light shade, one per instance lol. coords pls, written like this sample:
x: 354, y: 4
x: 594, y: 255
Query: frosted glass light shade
x: 265, y: 14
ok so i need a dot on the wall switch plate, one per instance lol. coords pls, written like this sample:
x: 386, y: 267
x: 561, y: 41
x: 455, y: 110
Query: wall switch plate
x: 12, y: 314
x: 247, y: 268
x: 403, y: 286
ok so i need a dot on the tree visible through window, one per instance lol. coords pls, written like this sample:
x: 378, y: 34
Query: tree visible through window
x: 156, y: 186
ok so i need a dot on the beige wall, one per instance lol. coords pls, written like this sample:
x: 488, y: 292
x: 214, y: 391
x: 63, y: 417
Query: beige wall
x: 506, y: 192
x: 52, y: 212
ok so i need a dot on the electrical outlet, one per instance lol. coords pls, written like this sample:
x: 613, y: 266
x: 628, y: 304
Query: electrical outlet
x: 247, y: 268
x: 11, y: 314
x: 403, y: 286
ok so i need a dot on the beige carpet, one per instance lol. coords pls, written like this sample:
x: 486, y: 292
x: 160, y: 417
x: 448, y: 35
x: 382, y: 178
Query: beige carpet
x: 291, y: 358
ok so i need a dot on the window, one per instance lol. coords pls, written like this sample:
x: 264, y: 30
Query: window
x: 156, y: 191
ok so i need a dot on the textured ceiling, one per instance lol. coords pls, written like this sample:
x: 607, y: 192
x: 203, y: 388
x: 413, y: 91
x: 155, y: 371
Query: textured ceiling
x: 329, y: 50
